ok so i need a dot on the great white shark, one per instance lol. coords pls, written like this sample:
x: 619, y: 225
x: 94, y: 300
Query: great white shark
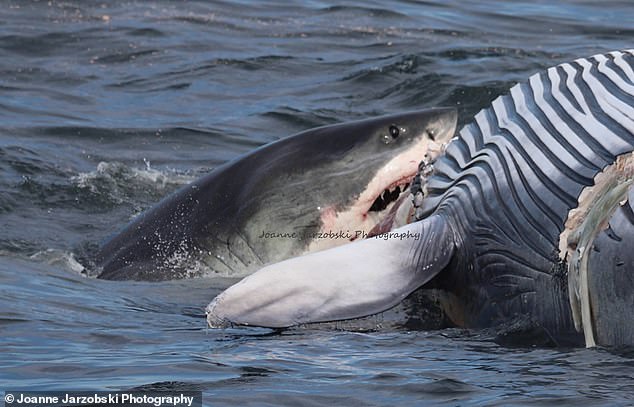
x: 528, y: 216
x: 304, y: 193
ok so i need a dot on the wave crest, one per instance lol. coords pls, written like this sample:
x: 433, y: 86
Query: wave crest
x: 118, y: 183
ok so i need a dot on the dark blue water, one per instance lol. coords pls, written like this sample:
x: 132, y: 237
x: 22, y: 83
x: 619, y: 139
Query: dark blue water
x: 106, y: 106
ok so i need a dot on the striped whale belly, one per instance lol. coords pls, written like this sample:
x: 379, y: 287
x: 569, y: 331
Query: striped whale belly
x: 512, y: 179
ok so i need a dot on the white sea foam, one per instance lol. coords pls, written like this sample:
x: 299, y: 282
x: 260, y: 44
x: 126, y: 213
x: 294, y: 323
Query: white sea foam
x: 119, y: 183
x: 59, y: 258
x: 121, y: 174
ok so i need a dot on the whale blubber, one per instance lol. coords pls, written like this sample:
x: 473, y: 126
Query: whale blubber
x: 597, y: 206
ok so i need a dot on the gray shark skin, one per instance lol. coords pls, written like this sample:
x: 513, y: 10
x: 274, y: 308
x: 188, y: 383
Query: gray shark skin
x: 493, y: 223
x: 280, y: 200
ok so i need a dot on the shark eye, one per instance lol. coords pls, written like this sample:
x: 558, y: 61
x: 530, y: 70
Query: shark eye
x: 394, y: 131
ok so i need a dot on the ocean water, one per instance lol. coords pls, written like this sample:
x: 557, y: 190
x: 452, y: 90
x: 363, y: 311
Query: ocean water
x: 107, y: 106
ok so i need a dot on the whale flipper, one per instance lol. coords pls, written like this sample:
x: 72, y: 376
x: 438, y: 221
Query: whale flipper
x: 350, y: 281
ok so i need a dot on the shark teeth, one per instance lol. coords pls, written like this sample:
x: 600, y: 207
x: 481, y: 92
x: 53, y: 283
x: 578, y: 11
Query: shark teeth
x: 388, y: 196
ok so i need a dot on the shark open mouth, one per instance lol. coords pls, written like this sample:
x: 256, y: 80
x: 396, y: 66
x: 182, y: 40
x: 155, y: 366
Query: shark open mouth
x: 392, y: 208
x: 381, y: 208
x: 387, y: 197
x: 400, y: 203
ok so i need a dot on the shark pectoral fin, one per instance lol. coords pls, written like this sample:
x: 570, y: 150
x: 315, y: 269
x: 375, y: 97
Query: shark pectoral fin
x: 350, y: 281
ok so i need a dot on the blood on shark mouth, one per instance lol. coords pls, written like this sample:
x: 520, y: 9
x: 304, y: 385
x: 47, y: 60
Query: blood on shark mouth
x: 388, y: 196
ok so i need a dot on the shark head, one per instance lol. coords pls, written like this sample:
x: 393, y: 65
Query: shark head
x: 304, y: 193
x: 340, y: 183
